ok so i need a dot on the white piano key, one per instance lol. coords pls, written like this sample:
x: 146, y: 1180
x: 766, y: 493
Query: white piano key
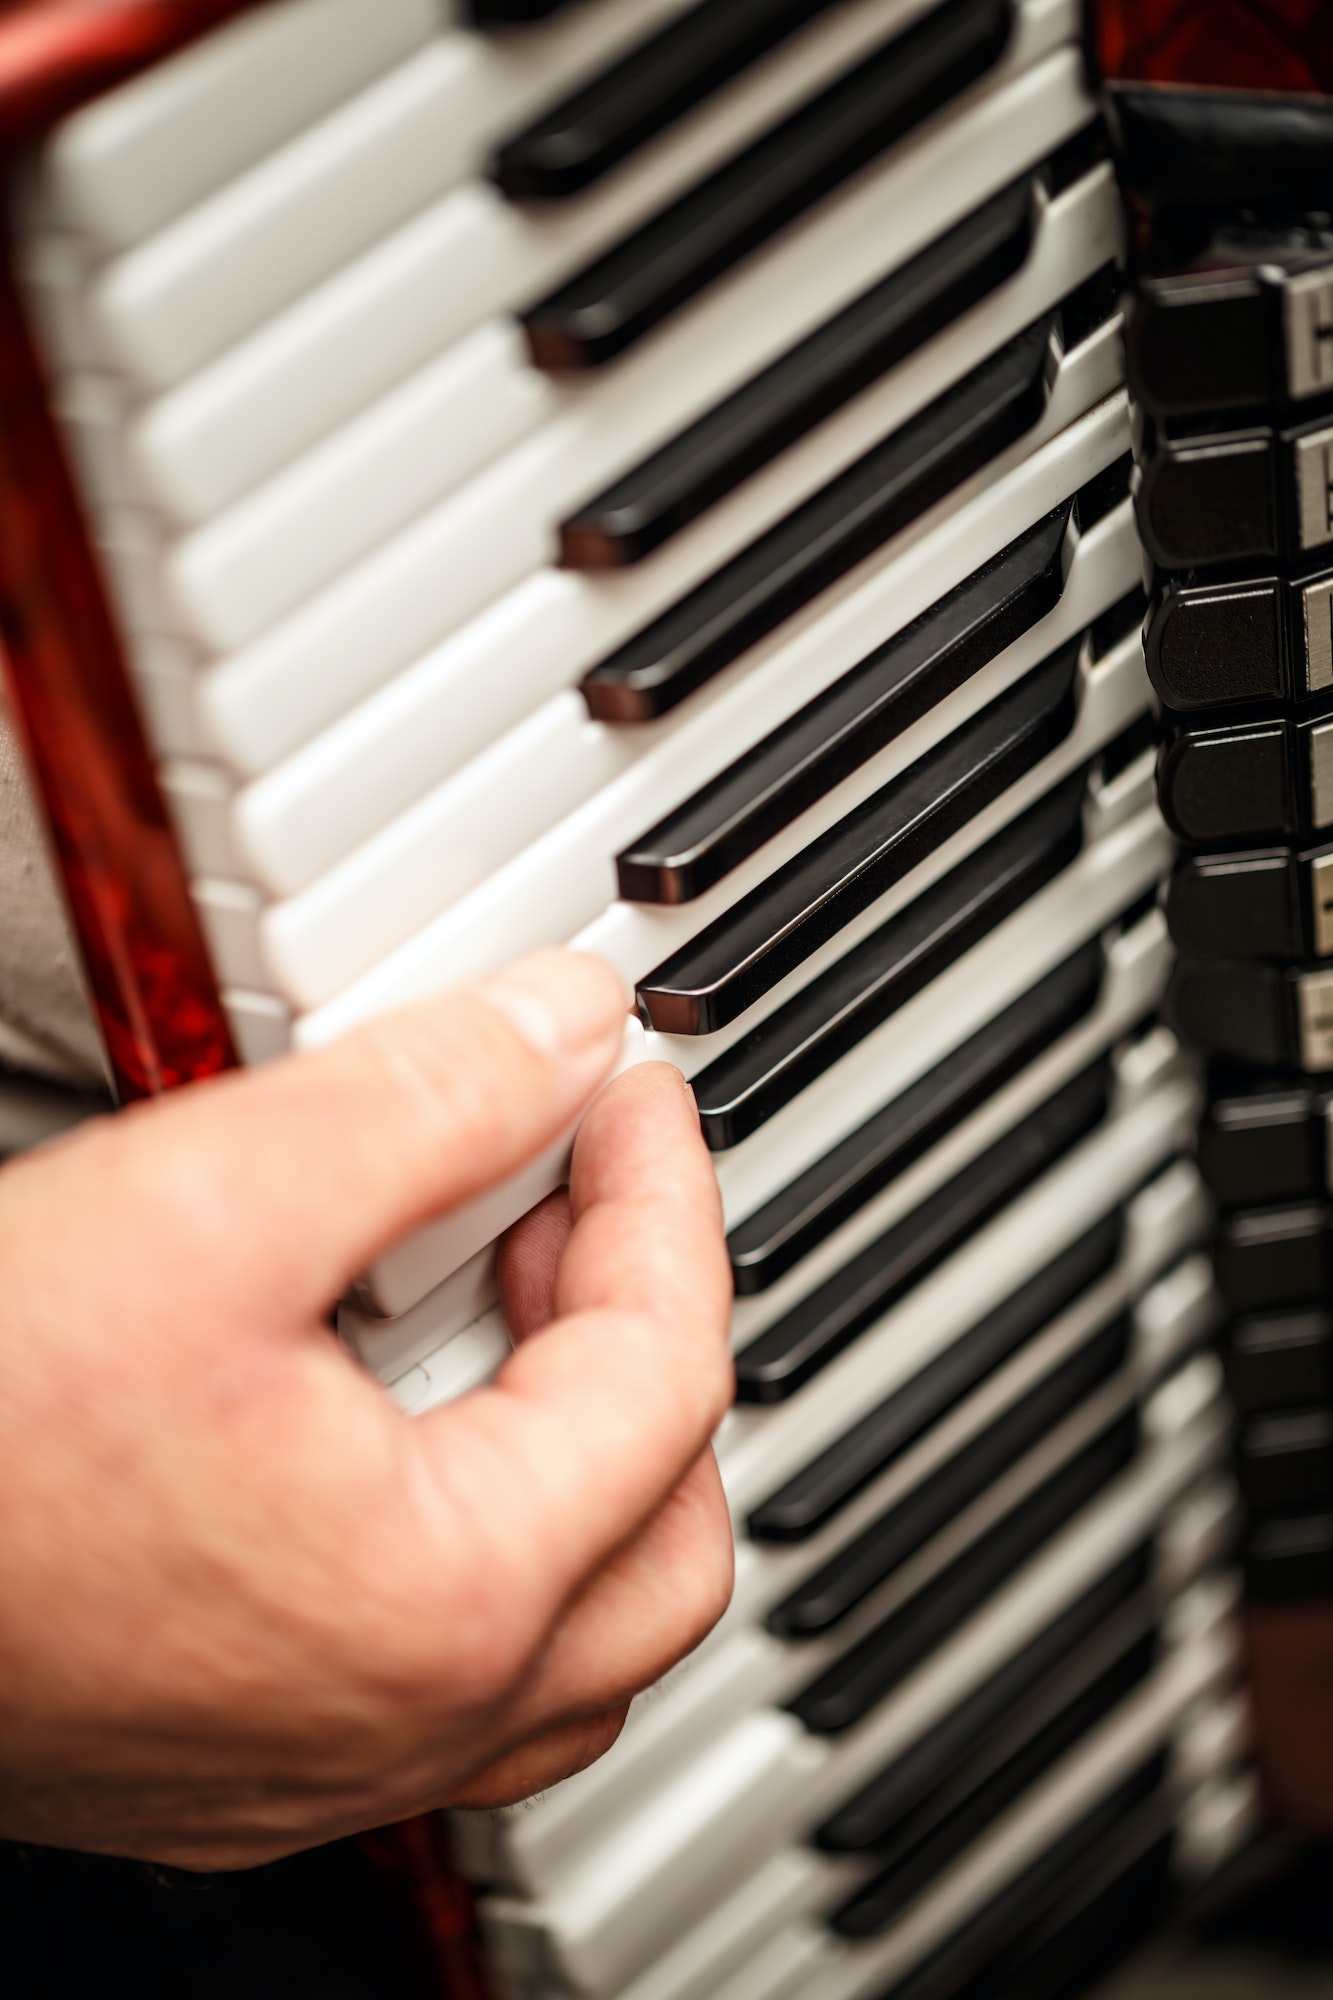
x: 162, y: 675
x: 242, y: 571
x: 498, y: 254
x: 404, y: 1274
x: 261, y: 1026
x: 231, y: 579
x: 131, y: 161
x: 197, y: 796
x: 471, y: 1358
x: 530, y: 1847
x: 202, y: 445
x: 229, y: 913
x: 1218, y: 1824
x: 231, y: 261
x: 296, y: 818
x: 453, y: 562
x: 391, y: 1345
x: 767, y: 1780
x: 567, y: 879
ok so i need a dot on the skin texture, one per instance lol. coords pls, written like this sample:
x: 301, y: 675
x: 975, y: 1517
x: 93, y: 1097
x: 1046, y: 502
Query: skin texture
x: 246, y: 1604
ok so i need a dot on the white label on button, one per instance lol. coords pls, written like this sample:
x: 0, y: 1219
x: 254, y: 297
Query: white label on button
x: 1308, y: 323
x: 1314, y: 488
x: 1315, y: 997
x: 1321, y: 775
x: 1317, y: 602
x: 1321, y: 892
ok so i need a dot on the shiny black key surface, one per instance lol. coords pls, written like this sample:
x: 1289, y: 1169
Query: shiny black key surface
x: 1277, y: 1256
x: 1280, y: 1360
x: 1265, y: 1143
x: 645, y: 506
x: 848, y: 1691
x: 910, y: 1872
x: 944, y: 1756
x: 1284, y: 1462
x: 1259, y: 638
x: 1223, y: 780
x: 575, y: 142
x: 819, y: 1490
x: 743, y: 954
x: 848, y: 1578
x: 787, y: 1227
x: 824, y: 537
x: 1290, y: 1560
x: 503, y: 13
x: 707, y: 230
x: 812, y: 1333
x: 754, y: 1078
x: 834, y: 735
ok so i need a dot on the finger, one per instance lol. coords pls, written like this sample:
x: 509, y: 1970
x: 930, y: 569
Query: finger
x: 589, y: 1429
x: 528, y: 1263
x: 653, y: 1603
x: 320, y: 1161
x: 542, y: 1762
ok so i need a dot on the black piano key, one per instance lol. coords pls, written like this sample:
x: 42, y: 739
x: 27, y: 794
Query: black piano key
x: 1271, y: 775
x: 743, y: 954
x: 749, y: 1082
x: 1265, y: 1144
x: 1279, y: 1256
x: 806, y: 1502
x: 1109, y: 1904
x: 824, y: 537
x: 834, y: 735
x: 846, y: 1692
x: 709, y: 229
x: 814, y: 1332
x: 1284, y: 1462
x: 1252, y: 905
x: 575, y: 142
x: 945, y: 1754
x: 505, y: 13
x: 885, y: 1897
x: 1280, y: 1360
x: 848, y: 1578
x: 975, y: 1959
x: 1290, y: 1560
x: 1276, y: 1017
x: 768, y: 1242
x: 673, y: 486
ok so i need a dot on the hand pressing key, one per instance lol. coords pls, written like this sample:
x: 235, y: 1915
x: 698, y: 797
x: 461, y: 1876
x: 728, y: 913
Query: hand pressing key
x: 246, y: 1605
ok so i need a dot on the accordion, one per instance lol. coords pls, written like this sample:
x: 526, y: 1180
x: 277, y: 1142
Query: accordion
x: 659, y: 475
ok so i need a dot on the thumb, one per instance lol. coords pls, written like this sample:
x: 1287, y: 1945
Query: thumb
x: 305, y: 1171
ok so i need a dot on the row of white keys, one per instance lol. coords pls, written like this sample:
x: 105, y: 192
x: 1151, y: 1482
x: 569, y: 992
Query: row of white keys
x: 767, y: 1780
x: 567, y: 879
x: 197, y: 449
x: 411, y: 1269
x: 804, y: 1960
x: 132, y: 161
x: 319, y: 941
x: 1114, y: 871
x: 237, y: 258
x: 527, y: 1849
x: 338, y: 790
x: 252, y: 565
x: 497, y: 254
x: 454, y: 563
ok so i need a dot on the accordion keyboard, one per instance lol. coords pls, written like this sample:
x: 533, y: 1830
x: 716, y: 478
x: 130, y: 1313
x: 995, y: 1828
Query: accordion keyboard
x: 655, y: 476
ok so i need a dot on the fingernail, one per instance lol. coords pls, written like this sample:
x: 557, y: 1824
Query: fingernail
x: 561, y: 1003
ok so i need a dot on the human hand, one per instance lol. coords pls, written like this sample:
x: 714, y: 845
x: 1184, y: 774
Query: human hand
x: 246, y: 1605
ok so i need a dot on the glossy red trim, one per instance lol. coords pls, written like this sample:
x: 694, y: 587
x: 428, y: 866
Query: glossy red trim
x: 55, y: 54
x: 151, y: 981
x: 1256, y: 45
